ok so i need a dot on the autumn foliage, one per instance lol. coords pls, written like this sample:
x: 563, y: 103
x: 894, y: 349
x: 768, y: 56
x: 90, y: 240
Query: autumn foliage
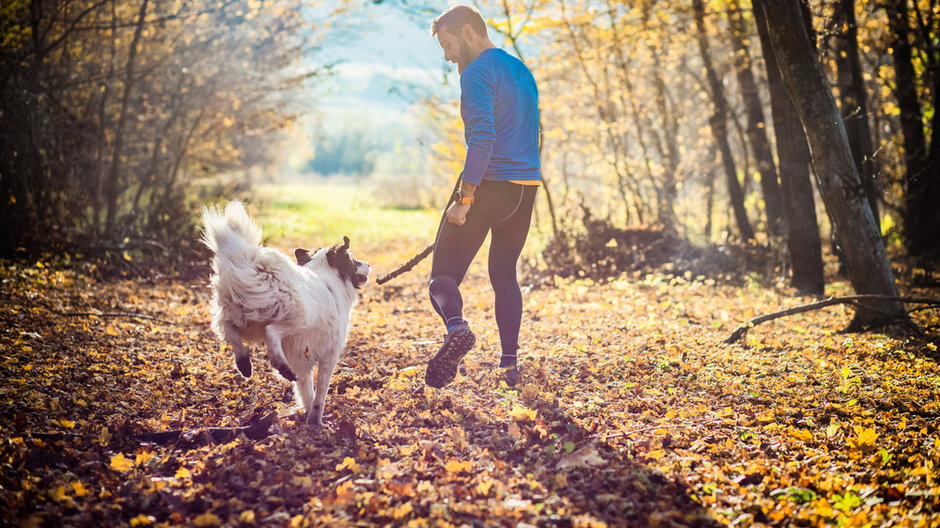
x: 630, y: 411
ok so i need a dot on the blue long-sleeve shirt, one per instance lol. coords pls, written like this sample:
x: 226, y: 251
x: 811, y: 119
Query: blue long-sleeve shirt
x: 499, y: 103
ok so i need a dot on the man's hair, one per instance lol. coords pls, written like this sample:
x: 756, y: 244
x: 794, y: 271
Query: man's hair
x: 456, y: 17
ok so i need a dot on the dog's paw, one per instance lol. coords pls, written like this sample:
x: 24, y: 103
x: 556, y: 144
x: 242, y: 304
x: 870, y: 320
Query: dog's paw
x: 244, y: 366
x: 314, y: 419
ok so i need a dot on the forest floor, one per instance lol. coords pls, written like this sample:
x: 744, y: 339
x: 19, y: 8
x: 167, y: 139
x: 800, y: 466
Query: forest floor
x: 631, y: 411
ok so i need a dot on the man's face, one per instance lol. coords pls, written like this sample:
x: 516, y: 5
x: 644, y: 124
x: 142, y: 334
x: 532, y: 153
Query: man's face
x: 456, y: 48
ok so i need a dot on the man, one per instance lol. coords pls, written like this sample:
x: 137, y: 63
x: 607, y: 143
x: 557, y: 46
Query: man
x: 499, y: 106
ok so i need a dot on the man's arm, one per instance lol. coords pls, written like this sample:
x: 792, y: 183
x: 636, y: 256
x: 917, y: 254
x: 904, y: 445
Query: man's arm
x: 477, y: 101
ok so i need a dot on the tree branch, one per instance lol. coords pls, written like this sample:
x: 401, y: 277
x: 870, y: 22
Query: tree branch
x: 120, y: 314
x: 855, y: 300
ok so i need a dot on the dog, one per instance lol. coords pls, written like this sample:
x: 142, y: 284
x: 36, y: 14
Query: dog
x: 300, y: 311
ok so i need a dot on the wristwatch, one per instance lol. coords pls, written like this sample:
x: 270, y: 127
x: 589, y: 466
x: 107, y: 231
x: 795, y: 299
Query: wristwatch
x: 463, y: 200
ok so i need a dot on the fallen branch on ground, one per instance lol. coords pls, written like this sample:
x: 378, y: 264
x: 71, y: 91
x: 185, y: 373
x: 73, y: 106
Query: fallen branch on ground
x: 855, y: 300
x: 257, y: 429
x: 120, y: 314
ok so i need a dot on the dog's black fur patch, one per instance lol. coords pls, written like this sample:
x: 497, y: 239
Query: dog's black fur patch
x: 302, y: 256
x: 339, y: 259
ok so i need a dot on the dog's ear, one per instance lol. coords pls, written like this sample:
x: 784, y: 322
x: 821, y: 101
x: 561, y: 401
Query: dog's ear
x: 302, y: 256
x: 345, y: 242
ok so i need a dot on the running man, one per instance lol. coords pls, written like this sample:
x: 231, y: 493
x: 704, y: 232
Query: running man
x: 499, y: 106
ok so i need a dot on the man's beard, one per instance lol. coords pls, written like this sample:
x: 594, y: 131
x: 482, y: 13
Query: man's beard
x: 464, y: 55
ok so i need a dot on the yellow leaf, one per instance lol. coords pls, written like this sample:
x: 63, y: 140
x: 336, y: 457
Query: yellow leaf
x: 67, y: 423
x: 401, y: 511
x: 521, y: 413
x: 350, y: 463
x: 111, y: 330
x: 483, y: 488
x: 182, y: 472
x: 865, y: 438
x: 143, y: 457
x: 247, y: 517
x: 411, y: 371
x: 80, y: 490
x: 656, y: 454
x: 58, y: 494
x: 801, y: 434
x: 142, y: 520
x: 207, y: 519
x: 456, y: 467
x: 832, y: 429
x: 120, y: 463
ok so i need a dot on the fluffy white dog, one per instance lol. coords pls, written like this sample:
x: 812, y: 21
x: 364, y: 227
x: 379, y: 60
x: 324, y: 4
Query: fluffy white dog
x: 300, y: 311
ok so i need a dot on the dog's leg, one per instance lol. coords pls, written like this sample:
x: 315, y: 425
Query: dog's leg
x: 304, y: 389
x: 242, y: 355
x: 324, y: 373
x: 273, y: 338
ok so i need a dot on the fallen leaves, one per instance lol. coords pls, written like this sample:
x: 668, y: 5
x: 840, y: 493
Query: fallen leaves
x: 120, y: 463
x: 627, y: 409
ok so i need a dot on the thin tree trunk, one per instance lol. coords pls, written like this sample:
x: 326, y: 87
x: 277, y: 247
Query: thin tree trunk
x: 719, y: 127
x: 667, y: 142
x: 803, y: 241
x: 627, y: 101
x: 709, y: 203
x: 112, y: 183
x: 839, y: 184
x: 920, y: 214
x: 853, y: 99
x: 756, y: 124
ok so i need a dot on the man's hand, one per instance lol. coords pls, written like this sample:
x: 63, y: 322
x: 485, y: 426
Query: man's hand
x: 457, y: 213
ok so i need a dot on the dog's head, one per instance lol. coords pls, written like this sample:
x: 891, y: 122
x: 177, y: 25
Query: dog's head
x: 340, y: 259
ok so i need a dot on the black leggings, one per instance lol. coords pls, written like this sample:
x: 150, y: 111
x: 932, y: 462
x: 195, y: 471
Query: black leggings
x: 506, y: 209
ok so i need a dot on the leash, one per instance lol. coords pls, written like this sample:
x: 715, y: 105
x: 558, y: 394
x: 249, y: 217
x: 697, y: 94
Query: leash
x: 408, y: 266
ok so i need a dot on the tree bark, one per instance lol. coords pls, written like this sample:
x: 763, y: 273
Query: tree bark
x: 719, y: 126
x: 803, y: 241
x: 920, y: 213
x: 839, y: 183
x: 114, y: 175
x: 667, y: 142
x: 756, y: 124
x: 852, y: 96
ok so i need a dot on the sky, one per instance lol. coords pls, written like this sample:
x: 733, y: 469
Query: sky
x: 385, y: 61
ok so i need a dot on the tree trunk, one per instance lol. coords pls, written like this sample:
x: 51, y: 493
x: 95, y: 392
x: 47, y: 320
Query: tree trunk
x: 839, y: 184
x: 756, y: 124
x: 844, y: 44
x: 719, y: 127
x: 803, y: 240
x: 112, y: 183
x: 920, y: 213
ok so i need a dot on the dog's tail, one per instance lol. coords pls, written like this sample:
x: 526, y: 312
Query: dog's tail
x: 231, y: 234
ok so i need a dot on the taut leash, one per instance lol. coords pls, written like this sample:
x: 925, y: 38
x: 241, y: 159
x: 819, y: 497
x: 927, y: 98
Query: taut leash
x: 408, y: 266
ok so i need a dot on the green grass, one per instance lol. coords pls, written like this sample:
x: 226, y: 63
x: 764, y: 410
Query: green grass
x: 320, y: 214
